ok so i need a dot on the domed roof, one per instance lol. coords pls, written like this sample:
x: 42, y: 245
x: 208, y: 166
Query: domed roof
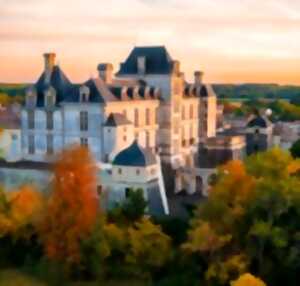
x: 258, y: 121
x: 135, y: 156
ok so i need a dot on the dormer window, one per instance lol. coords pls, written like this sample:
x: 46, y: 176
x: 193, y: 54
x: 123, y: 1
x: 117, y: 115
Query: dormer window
x: 31, y: 98
x: 50, y: 98
x: 84, y: 94
x: 141, y: 65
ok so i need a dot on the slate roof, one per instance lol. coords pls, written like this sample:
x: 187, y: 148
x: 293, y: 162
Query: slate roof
x: 135, y: 156
x: 100, y: 92
x: 58, y: 81
x: 158, y: 61
x: 191, y: 90
x: 116, y: 119
x: 258, y: 121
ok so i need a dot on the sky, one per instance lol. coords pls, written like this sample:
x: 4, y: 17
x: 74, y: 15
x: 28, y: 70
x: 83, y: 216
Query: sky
x: 232, y: 41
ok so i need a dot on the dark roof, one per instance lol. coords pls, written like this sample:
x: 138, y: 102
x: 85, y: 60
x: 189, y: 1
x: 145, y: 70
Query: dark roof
x: 258, y: 121
x: 135, y: 156
x: 203, y: 91
x: 116, y: 119
x: 58, y: 81
x: 25, y: 165
x: 192, y: 90
x: 158, y: 61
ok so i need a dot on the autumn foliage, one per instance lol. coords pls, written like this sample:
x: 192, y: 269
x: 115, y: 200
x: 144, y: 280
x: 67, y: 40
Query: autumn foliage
x: 248, y: 280
x: 20, y: 210
x: 72, y: 207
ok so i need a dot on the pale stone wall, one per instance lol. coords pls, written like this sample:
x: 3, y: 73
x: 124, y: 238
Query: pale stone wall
x: 10, y: 144
x: 139, y: 132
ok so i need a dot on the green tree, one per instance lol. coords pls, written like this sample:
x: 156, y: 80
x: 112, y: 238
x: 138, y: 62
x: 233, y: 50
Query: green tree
x: 251, y: 221
x: 295, y: 149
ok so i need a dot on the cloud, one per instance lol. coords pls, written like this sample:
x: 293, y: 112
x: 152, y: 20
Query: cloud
x: 207, y: 33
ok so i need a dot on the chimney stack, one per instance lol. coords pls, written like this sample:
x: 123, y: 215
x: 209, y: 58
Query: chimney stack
x: 49, y: 61
x: 198, y: 75
x: 49, y: 65
x: 106, y: 72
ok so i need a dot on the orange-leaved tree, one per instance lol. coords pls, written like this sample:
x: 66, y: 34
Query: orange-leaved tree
x: 72, y: 207
x: 247, y: 280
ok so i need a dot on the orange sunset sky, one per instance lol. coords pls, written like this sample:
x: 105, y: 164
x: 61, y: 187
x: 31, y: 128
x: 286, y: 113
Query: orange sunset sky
x: 230, y: 40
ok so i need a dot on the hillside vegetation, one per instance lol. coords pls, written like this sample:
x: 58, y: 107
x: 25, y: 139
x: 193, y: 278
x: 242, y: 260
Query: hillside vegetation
x: 255, y: 91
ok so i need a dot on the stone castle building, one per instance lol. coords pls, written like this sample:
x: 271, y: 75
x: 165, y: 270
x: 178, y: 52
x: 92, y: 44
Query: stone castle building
x: 143, y: 125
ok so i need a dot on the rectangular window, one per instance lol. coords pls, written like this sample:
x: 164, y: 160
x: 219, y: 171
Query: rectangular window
x: 49, y: 119
x: 147, y: 139
x: 84, y: 142
x: 148, y: 119
x: 191, y: 111
x: 183, y: 113
x: 50, y: 149
x: 136, y: 117
x: 84, y: 121
x: 50, y: 101
x: 31, y: 144
x: 30, y: 119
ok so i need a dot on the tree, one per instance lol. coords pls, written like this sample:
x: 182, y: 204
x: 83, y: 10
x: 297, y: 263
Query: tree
x: 295, y: 149
x: 247, y: 280
x: 72, y: 207
x: 149, y: 248
x: 250, y: 221
x: 20, y: 212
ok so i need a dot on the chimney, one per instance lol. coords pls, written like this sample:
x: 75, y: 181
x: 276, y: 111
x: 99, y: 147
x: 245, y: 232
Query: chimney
x: 49, y: 65
x: 106, y: 72
x: 176, y: 68
x: 141, y: 65
x: 198, y: 75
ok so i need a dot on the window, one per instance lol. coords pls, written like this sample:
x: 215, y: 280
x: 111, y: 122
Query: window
x: 183, y: 113
x: 49, y: 119
x: 50, y: 100
x: 124, y: 138
x: 191, y: 131
x: 191, y: 111
x: 84, y: 142
x: 84, y: 97
x: 137, y: 171
x: 84, y: 121
x: 31, y: 101
x: 14, y: 137
x: 106, y: 158
x: 31, y: 119
x: 50, y: 144
x: 136, y: 117
x: 119, y: 171
x: 176, y: 126
x: 147, y: 139
x: 148, y: 116
x: 176, y: 106
x: 31, y: 144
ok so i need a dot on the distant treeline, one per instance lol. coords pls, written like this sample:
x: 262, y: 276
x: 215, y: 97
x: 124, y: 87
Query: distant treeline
x: 242, y: 91
x: 12, y: 89
x: 254, y: 91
